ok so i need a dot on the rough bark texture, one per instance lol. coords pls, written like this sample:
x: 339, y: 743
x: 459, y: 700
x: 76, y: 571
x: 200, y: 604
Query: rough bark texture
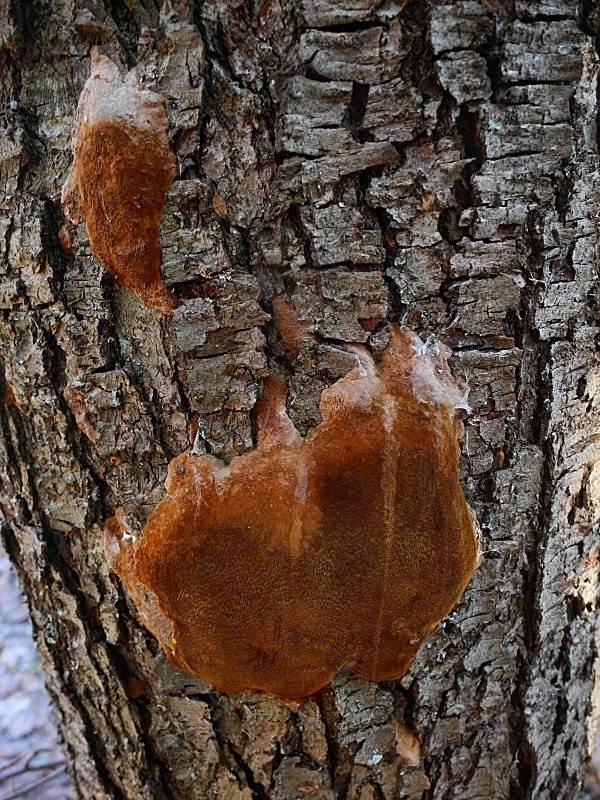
x: 433, y: 163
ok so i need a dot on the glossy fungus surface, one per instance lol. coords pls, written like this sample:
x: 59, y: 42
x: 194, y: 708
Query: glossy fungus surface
x: 306, y: 555
x: 122, y: 168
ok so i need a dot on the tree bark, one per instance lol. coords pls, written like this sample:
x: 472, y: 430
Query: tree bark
x: 432, y: 163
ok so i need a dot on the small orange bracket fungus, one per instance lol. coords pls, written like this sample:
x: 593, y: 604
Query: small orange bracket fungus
x: 122, y: 169
x: 306, y: 555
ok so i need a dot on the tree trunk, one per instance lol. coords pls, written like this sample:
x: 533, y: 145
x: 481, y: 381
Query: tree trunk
x: 431, y: 163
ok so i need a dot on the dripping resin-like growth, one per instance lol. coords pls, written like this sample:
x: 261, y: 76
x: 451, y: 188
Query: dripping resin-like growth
x: 306, y: 555
x: 122, y: 168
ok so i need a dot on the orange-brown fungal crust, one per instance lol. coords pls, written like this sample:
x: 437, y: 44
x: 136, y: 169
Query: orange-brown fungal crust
x: 303, y: 556
x: 287, y: 324
x: 122, y: 168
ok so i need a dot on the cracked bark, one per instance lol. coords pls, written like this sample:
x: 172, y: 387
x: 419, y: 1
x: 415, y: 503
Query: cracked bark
x: 433, y: 163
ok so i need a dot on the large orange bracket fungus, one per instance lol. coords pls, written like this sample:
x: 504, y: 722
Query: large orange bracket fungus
x: 122, y: 168
x: 306, y: 555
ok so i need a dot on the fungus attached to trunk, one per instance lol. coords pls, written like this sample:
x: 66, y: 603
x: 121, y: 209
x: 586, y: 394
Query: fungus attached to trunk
x: 122, y: 168
x: 302, y: 556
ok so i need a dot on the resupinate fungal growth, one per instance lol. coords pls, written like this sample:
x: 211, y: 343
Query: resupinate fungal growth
x: 344, y: 548
x: 122, y: 169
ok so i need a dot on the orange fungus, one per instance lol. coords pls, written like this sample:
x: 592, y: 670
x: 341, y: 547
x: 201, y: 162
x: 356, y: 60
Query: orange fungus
x: 122, y: 168
x: 306, y: 555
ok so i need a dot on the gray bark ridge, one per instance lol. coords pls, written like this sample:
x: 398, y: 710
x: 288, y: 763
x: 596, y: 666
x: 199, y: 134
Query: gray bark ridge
x: 432, y: 163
